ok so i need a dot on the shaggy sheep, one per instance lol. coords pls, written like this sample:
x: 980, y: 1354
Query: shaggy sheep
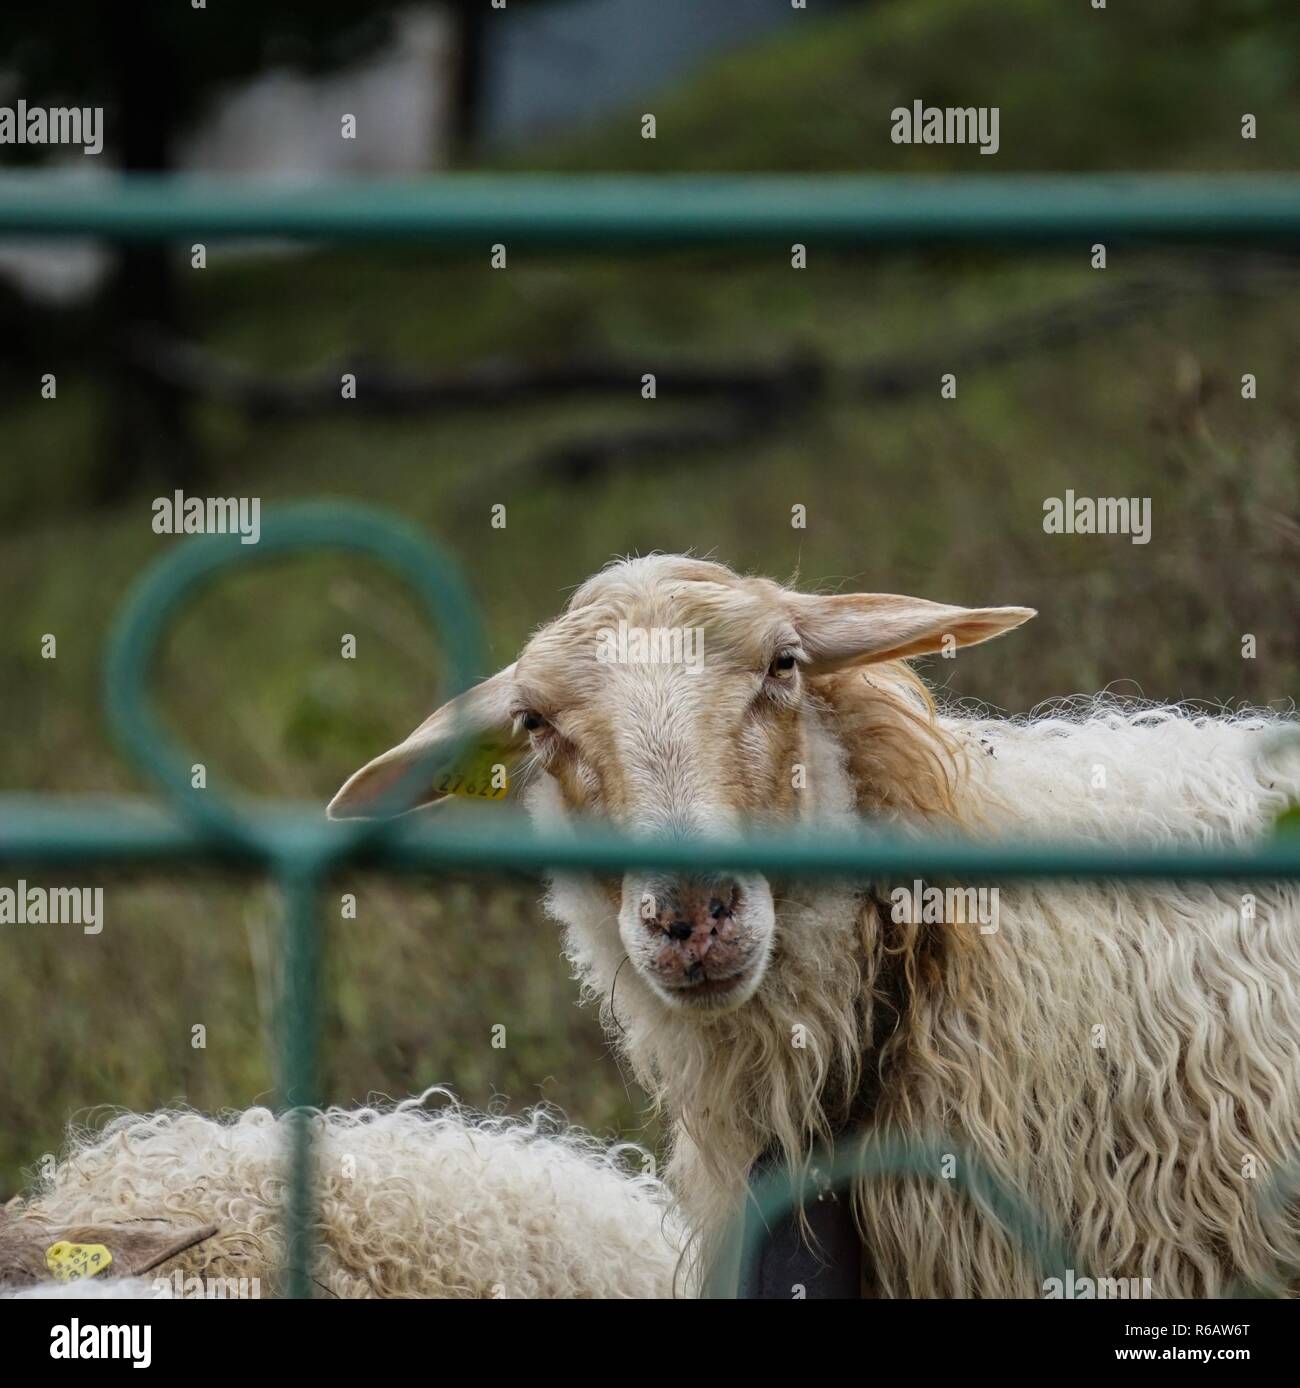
x: 1123, y: 1054
x: 410, y: 1203
x: 147, y: 1288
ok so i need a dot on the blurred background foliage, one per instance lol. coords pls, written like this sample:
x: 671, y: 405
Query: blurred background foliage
x: 903, y: 492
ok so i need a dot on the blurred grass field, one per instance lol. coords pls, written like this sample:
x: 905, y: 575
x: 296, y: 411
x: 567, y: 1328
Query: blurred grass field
x: 938, y: 498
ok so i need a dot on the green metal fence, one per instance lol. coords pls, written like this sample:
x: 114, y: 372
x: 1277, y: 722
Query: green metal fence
x: 295, y: 845
x: 554, y: 211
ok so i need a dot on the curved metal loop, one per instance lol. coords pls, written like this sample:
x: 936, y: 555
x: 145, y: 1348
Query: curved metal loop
x: 195, y: 564
x: 776, y: 1195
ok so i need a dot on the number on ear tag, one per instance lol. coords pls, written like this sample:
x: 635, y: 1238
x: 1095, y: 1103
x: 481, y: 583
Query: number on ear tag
x: 71, y: 1262
x: 480, y: 774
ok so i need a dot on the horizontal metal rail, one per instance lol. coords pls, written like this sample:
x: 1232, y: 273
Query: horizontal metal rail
x: 115, y: 832
x: 473, y: 211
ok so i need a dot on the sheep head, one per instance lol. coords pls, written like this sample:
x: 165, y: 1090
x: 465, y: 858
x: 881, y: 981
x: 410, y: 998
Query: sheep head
x: 673, y: 698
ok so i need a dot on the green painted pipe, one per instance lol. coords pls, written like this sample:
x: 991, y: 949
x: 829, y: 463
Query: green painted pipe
x: 121, y: 831
x: 472, y: 211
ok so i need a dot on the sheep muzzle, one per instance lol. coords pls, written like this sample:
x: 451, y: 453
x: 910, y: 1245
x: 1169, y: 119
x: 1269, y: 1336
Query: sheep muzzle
x: 698, y: 942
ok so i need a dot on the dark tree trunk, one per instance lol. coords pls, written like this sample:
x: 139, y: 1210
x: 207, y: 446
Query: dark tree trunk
x: 472, y: 18
x: 148, y: 437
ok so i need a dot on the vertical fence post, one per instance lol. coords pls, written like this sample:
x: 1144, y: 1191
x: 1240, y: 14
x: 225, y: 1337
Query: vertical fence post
x: 298, y: 1053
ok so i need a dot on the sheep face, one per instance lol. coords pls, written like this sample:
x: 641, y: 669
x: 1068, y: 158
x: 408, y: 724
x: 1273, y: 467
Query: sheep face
x: 667, y: 700
x: 674, y: 710
x: 675, y: 698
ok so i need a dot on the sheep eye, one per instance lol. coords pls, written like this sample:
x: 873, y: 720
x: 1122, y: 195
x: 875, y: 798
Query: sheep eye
x: 533, y: 721
x: 781, y: 666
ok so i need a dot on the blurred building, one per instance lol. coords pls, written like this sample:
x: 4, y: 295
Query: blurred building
x: 560, y: 65
x: 546, y: 68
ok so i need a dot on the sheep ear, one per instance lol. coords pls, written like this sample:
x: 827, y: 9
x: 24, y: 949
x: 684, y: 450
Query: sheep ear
x: 480, y: 751
x: 865, y: 628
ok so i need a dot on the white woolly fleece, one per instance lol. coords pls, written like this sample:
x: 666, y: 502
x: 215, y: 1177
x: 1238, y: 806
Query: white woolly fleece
x: 1108, y: 770
x: 89, y: 1289
x: 410, y: 1203
x: 1124, y: 1055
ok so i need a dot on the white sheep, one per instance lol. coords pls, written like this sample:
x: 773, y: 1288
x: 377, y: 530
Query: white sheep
x: 409, y: 1203
x: 1122, y: 1054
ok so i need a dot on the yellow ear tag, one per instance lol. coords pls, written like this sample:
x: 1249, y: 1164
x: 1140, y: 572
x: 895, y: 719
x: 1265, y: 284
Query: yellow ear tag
x: 480, y: 774
x: 70, y: 1262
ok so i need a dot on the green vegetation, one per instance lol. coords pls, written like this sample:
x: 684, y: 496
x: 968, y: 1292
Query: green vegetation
x: 940, y: 498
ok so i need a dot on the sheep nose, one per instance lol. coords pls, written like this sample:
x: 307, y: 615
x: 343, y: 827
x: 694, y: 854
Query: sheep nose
x: 693, y: 914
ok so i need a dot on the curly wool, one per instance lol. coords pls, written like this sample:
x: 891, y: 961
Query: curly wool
x: 1153, y: 1145
x: 409, y: 1202
x: 93, y: 1289
x: 1124, y: 1054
